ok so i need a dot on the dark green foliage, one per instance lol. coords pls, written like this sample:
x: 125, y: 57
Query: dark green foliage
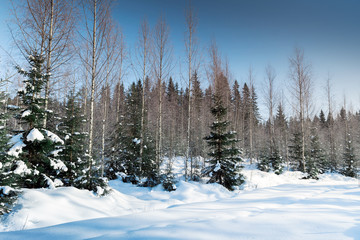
x: 264, y: 163
x: 34, y: 81
x: 276, y: 161
x: 322, y: 119
x: 125, y: 144
x: 224, y: 163
x: 4, y: 139
x: 270, y: 159
x: 39, y: 158
x: 315, y: 159
x: 295, y: 150
x: 8, y: 197
x: 73, y: 153
x: 34, y: 164
x: 168, y: 179
x: 349, y: 159
x: 197, y: 132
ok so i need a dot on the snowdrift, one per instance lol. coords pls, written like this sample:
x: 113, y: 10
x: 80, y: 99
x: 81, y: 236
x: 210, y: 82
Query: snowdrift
x: 268, y: 207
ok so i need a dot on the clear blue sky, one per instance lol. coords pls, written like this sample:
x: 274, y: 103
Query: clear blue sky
x: 259, y: 32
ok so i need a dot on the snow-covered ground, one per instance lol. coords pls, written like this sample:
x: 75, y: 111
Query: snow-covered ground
x: 268, y: 207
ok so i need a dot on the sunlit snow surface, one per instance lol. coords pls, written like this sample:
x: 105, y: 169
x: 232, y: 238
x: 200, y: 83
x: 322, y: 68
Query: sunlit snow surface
x: 269, y: 207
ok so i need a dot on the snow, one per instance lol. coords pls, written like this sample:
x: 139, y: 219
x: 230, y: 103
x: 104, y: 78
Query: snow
x: 269, y: 206
x: 55, y: 138
x: 34, y: 134
x: 12, y: 106
x: 16, y: 149
x: 6, y: 189
x: 56, y: 152
x: 53, y: 184
x: 26, y: 113
x: 21, y: 168
x: 15, y: 139
x: 136, y: 141
x: 217, y: 167
x: 58, y: 165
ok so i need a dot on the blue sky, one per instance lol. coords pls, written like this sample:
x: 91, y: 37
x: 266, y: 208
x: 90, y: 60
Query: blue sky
x: 256, y: 33
x: 260, y: 32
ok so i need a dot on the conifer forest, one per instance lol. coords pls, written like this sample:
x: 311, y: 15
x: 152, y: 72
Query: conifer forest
x: 90, y: 107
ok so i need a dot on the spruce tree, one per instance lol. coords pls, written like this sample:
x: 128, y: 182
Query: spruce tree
x: 224, y: 163
x: 349, y: 158
x: 34, y: 162
x: 270, y: 158
x: 8, y: 195
x: 281, y: 133
x: 74, y: 153
x: 295, y: 151
x: 127, y: 141
x: 322, y: 119
x: 315, y: 159
x: 168, y: 179
x: 5, y: 161
x: 125, y: 156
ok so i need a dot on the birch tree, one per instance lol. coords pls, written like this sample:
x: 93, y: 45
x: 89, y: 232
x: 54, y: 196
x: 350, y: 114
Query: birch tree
x: 191, y: 52
x: 45, y: 28
x: 97, y: 18
x: 330, y: 124
x: 270, y: 99
x: 300, y: 80
x: 162, y: 64
x: 143, y: 58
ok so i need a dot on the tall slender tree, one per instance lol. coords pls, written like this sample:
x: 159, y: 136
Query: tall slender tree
x: 162, y: 65
x: 97, y: 16
x: 300, y: 76
x: 191, y: 52
x: 144, y: 48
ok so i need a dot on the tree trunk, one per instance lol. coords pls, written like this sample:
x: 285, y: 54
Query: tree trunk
x: 92, y: 97
x: 48, y: 64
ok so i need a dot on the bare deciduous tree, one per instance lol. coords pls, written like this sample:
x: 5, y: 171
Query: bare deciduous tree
x: 330, y: 122
x: 97, y: 18
x: 46, y: 28
x: 269, y: 93
x: 143, y: 57
x: 162, y: 54
x: 191, y: 52
x: 300, y: 76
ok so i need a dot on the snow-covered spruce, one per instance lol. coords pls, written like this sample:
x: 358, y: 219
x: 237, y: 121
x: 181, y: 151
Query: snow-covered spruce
x: 33, y: 163
x: 225, y: 161
x: 74, y: 152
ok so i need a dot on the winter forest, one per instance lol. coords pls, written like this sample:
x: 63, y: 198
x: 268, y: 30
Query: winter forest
x: 77, y: 118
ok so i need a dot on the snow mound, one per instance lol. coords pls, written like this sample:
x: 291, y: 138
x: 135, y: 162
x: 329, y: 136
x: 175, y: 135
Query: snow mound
x: 58, y: 165
x: 21, y: 168
x: 45, y: 207
x: 15, y: 139
x: 35, y: 134
x: 6, y: 189
x: 269, y: 206
x: 16, y: 149
x: 26, y: 113
x: 53, y: 137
